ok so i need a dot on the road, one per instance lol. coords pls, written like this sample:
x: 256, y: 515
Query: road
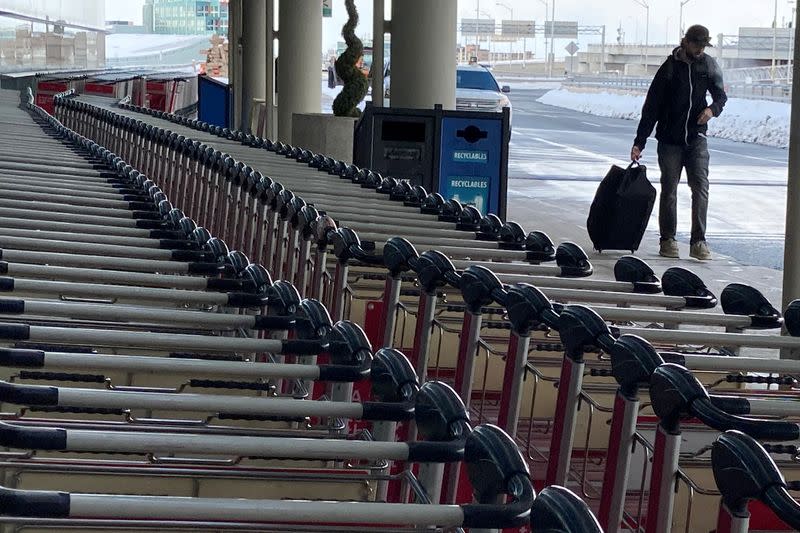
x: 561, y: 155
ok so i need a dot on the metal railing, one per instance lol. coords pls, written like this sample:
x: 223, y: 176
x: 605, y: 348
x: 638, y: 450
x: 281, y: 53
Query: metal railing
x: 765, y: 90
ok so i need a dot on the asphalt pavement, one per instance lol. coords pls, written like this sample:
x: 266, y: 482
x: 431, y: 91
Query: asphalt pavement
x: 559, y: 156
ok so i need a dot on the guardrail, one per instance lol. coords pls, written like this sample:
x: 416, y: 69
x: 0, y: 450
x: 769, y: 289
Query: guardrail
x: 778, y: 92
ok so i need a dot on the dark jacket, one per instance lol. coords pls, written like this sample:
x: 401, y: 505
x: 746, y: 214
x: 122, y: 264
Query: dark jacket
x: 678, y: 82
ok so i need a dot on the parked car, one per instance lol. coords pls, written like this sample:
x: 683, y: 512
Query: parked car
x: 476, y: 89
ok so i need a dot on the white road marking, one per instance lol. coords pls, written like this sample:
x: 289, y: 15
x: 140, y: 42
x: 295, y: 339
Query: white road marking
x: 580, y: 151
x: 755, y: 158
x: 591, y: 124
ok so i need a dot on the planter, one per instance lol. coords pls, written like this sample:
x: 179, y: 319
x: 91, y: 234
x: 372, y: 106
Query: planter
x: 324, y: 134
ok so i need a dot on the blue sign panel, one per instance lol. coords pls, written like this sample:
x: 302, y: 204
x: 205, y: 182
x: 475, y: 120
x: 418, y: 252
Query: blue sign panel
x: 469, y: 190
x: 470, y: 161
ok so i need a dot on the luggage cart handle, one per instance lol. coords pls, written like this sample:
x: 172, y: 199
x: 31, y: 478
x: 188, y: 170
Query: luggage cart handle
x: 38, y: 503
x: 559, y: 509
x: 399, y: 256
x: 741, y: 299
x: 387, y: 411
x: 435, y: 269
x: 674, y: 391
x: 53, y: 504
x: 41, y: 396
x: 683, y: 283
x: 480, y: 287
x: 580, y: 326
x: 59, y: 439
x: 21, y: 358
x: 206, y: 269
x: 347, y: 245
x: 229, y: 285
x: 32, y: 438
x: 497, y: 471
x: 275, y: 322
x: 243, y: 299
x: 743, y: 471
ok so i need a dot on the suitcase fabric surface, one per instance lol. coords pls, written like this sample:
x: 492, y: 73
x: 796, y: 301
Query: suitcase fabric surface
x: 621, y: 209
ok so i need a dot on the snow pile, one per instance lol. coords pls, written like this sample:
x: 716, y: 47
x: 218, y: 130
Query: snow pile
x: 754, y: 121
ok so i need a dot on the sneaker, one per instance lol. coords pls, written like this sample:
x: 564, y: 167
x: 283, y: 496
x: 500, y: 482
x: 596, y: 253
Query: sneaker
x: 699, y: 250
x: 669, y: 248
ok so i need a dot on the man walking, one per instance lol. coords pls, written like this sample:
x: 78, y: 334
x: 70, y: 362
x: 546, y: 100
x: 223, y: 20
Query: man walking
x: 676, y: 101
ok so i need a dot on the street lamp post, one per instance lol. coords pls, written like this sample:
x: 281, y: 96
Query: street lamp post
x: 510, y: 43
x: 646, y: 6
x: 774, y: 39
x: 791, y: 42
x: 546, y: 13
x: 489, y: 36
x: 680, y: 19
x: 552, y: 57
x: 477, y: 30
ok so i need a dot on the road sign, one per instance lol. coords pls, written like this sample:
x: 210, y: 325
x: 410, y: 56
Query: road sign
x: 327, y: 8
x: 520, y: 28
x: 560, y: 29
x: 571, y: 48
x: 477, y: 26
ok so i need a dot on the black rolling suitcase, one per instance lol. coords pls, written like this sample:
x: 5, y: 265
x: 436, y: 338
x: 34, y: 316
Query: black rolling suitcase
x: 621, y: 209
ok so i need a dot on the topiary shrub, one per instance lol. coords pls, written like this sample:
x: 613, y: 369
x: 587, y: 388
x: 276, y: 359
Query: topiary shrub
x: 355, y: 82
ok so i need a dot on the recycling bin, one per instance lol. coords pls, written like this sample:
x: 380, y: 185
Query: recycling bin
x: 460, y: 154
x: 213, y: 101
x: 473, y: 160
x: 398, y: 143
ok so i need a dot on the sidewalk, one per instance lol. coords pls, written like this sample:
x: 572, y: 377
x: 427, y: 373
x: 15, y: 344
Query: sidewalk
x: 568, y: 222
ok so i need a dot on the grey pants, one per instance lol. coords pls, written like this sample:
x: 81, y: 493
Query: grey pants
x: 672, y: 158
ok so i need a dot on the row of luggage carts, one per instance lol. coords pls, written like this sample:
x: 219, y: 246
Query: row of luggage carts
x: 143, y: 289
x: 155, y: 379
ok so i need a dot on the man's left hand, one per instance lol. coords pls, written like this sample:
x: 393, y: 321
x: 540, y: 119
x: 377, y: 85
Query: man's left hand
x: 705, y: 116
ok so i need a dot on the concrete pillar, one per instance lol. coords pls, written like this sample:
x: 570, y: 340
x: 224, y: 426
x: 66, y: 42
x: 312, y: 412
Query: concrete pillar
x: 271, y: 130
x: 254, y: 56
x: 423, y: 53
x: 235, y: 60
x: 299, y: 61
x: 791, y: 254
x: 378, y: 28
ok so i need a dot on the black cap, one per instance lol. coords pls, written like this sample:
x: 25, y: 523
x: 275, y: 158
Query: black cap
x: 699, y: 35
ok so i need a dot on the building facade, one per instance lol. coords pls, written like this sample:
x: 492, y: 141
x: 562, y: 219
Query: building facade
x: 186, y: 17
